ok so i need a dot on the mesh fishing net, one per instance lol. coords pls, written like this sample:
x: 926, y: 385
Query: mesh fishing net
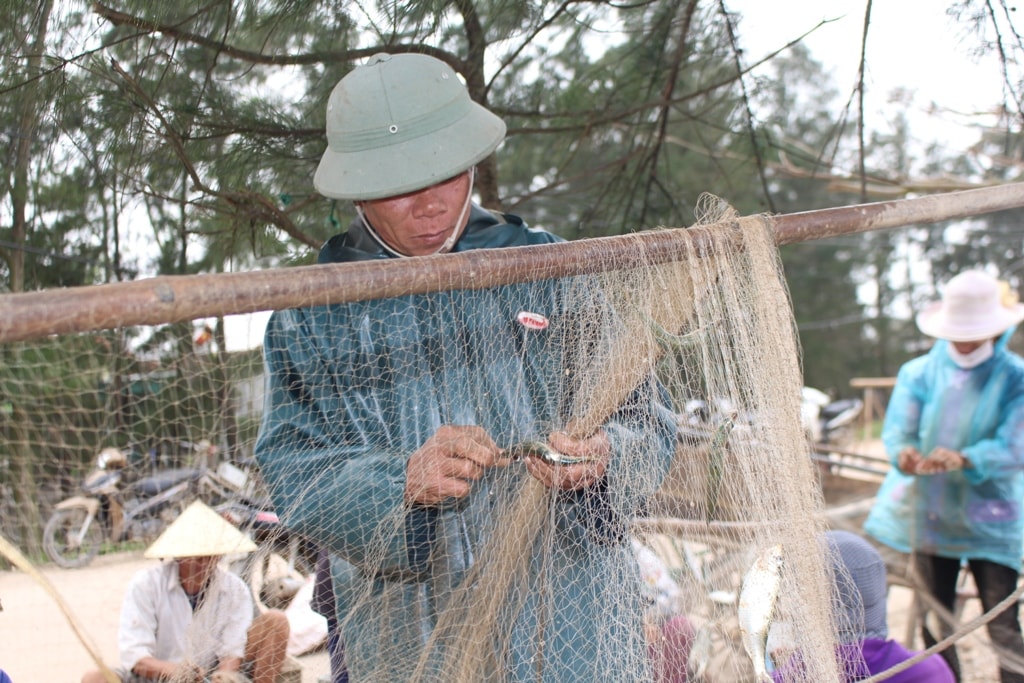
x: 687, y: 370
x: 517, y: 581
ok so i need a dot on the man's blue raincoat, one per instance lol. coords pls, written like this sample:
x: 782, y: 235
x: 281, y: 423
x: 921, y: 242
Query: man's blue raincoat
x: 970, y: 513
x: 355, y: 388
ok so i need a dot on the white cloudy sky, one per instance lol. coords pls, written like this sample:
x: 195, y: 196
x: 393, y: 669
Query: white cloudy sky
x: 911, y: 43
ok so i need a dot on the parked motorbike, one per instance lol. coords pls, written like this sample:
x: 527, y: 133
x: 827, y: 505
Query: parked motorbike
x: 701, y: 420
x: 114, y: 507
x: 282, y: 560
x: 827, y: 422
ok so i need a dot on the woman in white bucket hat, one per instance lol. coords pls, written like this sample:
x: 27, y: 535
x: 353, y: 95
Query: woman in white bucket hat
x: 188, y: 620
x: 954, y: 432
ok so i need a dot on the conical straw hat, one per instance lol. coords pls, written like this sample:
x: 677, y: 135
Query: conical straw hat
x: 199, y: 532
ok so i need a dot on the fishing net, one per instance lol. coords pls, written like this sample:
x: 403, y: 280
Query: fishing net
x: 692, y: 371
x: 688, y: 368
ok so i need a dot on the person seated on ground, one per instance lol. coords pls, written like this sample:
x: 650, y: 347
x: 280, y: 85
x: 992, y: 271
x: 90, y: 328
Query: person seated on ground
x: 859, y: 598
x: 188, y: 620
x: 670, y: 634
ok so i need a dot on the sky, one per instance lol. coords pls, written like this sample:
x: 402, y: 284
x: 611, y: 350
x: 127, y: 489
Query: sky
x: 911, y: 44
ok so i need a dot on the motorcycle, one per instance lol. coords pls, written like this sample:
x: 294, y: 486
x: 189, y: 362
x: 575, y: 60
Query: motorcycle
x: 282, y: 561
x: 827, y: 422
x: 115, y: 506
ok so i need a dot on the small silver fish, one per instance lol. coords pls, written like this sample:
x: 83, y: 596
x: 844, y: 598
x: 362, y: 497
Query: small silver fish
x: 759, y: 596
x: 538, y: 449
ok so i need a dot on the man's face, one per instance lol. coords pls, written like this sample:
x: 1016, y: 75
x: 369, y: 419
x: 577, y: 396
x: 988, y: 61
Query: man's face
x: 418, y: 223
x: 194, y: 572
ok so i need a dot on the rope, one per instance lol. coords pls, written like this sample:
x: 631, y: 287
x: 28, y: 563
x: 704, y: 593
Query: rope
x: 21, y: 562
x: 956, y: 636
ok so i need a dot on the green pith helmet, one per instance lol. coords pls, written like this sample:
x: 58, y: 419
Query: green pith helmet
x: 401, y: 123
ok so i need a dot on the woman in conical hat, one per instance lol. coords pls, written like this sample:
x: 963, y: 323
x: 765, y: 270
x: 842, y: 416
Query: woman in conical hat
x: 200, y: 532
x: 188, y: 619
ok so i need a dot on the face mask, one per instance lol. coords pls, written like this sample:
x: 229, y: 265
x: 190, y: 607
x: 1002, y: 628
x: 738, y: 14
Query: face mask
x: 974, y: 358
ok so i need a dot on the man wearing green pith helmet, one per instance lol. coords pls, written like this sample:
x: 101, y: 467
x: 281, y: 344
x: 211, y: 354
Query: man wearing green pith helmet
x: 388, y: 421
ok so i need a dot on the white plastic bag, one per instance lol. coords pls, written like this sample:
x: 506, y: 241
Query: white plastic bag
x: 308, y: 629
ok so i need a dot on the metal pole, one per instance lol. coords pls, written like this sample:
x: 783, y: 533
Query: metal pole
x: 167, y: 299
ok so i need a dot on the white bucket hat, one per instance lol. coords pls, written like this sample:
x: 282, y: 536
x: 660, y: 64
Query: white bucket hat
x: 975, y: 306
x: 200, y: 532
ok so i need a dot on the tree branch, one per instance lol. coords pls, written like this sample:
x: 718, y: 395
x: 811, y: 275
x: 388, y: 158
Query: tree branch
x: 243, y: 200
x: 747, y: 111
x: 175, y: 31
x: 666, y: 105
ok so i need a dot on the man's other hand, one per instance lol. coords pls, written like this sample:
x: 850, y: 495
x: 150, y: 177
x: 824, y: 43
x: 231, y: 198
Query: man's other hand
x: 908, y: 460
x: 448, y: 463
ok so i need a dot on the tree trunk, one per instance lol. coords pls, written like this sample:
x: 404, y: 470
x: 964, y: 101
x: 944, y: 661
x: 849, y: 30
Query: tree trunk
x: 30, y: 111
x: 26, y: 491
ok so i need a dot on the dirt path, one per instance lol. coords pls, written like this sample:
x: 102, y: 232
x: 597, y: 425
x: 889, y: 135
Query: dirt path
x: 37, y: 645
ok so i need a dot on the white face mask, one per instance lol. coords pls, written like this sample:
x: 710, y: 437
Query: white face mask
x: 974, y: 358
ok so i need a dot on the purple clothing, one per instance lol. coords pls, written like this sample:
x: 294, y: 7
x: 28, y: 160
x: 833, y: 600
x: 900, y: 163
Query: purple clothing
x: 671, y: 654
x: 874, y: 656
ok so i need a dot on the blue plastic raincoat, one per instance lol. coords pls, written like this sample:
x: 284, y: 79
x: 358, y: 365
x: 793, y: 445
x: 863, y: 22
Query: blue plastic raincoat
x: 971, y: 513
x: 355, y: 388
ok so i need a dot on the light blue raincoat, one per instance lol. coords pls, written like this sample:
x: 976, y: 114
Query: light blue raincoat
x: 971, y: 513
x: 355, y: 388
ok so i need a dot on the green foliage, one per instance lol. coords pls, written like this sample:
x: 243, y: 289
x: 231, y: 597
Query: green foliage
x: 78, y: 393
x: 56, y: 384
x: 180, y: 138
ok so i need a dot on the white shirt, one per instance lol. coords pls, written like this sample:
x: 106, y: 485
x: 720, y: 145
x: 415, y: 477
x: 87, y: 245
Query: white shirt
x: 659, y: 587
x: 157, y: 619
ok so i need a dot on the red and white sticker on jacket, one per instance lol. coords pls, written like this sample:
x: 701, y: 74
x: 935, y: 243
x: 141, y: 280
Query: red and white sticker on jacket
x: 532, y: 321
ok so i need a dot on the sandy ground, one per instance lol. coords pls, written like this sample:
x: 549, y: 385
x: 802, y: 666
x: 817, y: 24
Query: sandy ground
x: 37, y: 643
x: 977, y: 662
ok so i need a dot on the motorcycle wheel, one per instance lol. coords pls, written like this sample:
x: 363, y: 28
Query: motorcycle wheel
x: 60, y: 538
